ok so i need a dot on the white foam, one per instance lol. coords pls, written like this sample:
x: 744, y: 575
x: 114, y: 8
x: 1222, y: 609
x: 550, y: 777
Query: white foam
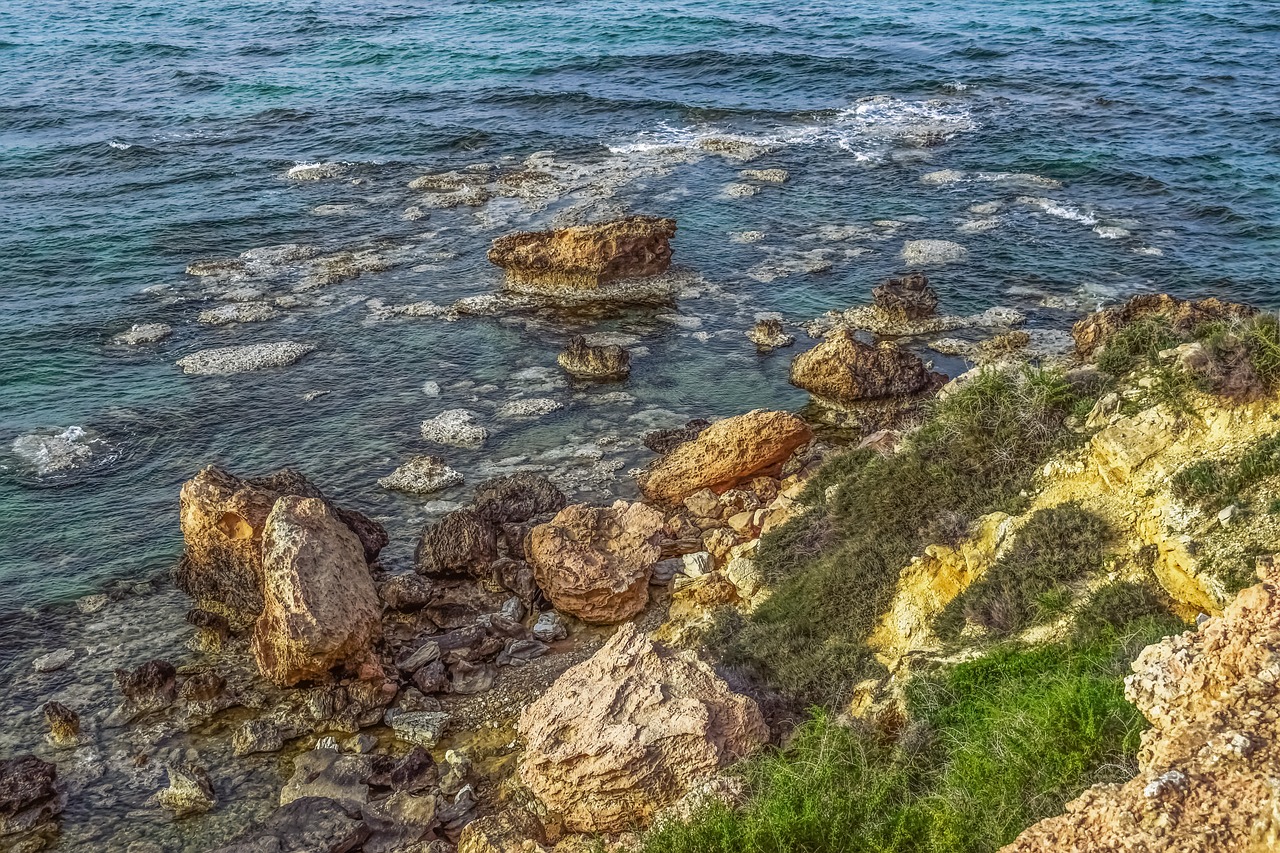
x: 1111, y: 232
x: 1060, y: 210
x: 315, y: 171
x: 61, y: 452
x: 119, y: 146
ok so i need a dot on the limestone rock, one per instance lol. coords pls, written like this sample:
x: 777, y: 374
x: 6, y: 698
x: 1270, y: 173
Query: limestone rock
x: 728, y: 452
x: 330, y: 774
x: 406, y: 592
x: 63, y: 723
x: 585, y: 257
x: 320, y: 608
x: 462, y: 544
x: 923, y: 253
x: 594, y: 562
x: 517, y: 498
x: 906, y: 299
x: 151, y: 686
x: 663, y: 441
x: 768, y: 336
x: 189, y: 792
x: 583, y: 361
x: 54, y: 661
x: 305, y: 825
x: 422, y: 475
x: 143, y: 333
x: 28, y: 796
x: 1091, y: 333
x: 455, y: 428
x: 631, y: 730
x: 511, y: 831
x: 242, y: 359
x: 844, y: 371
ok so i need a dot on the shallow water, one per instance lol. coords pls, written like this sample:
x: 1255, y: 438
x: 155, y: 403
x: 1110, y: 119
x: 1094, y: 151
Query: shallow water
x: 1109, y: 147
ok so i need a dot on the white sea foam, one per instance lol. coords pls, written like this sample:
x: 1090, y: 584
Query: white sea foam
x: 1061, y: 210
x: 49, y: 452
x: 316, y: 171
x: 119, y: 146
x: 1111, y: 232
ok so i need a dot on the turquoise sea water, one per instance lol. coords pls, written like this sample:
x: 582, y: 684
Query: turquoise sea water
x: 1127, y: 145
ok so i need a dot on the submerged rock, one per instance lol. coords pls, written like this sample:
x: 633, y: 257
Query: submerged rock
x: 63, y: 723
x: 631, y: 730
x: 517, y: 498
x: 28, y: 798
x: 238, y: 312
x: 768, y: 336
x: 455, y: 428
x: 595, y: 562
x: 1092, y: 332
x: 190, y: 791
x: 242, y: 359
x: 726, y: 453
x: 422, y: 475
x: 587, y: 256
x: 663, y: 441
x: 54, y: 661
x: 584, y: 361
x: 922, y: 253
x: 767, y: 176
x: 143, y: 333
x: 61, y: 451
x: 305, y: 825
x: 844, y: 371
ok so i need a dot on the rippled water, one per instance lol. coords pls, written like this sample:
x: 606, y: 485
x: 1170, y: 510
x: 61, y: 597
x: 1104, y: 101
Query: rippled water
x: 1126, y: 145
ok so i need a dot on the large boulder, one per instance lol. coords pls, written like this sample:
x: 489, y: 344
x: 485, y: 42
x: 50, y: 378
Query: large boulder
x: 587, y: 256
x: 28, y: 798
x: 629, y: 731
x: 1091, y: 333
x: 517, y: 498
x: 462, y: 544
x: 595, y: 562
x: 320, y: 607
x: 844, y: 371
x: 906, y: 299
x: 222, y: 518
x: 725, y: 454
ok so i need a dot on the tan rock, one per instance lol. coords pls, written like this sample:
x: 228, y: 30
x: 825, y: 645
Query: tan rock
x: 725, y: 454
x: 718, y: 541
x: 1092, y: 332
x: 844, y: 371
x: 585, y: 257
x: 595, y: 562
x: 320, y: 607
x: 630, y: 731
x: 511, y: 831
x: 742, y: 523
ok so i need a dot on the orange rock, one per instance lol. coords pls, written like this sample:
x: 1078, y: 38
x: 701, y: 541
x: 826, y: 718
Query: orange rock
x: 587, y: 256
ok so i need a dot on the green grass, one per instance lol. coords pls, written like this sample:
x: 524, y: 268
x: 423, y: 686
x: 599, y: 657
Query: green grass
x: 1216, y: 483
x: 1138, y: 343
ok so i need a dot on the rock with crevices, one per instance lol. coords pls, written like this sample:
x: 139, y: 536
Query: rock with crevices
x: 587, y: 256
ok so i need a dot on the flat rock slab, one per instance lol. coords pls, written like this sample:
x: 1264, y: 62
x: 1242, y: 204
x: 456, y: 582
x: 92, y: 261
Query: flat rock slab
x: 242, y: 359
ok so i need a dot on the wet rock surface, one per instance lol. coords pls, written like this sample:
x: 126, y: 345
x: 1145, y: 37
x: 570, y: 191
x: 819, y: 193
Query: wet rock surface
x: 905, y: 299
x: 422, y: 475
x: 588, y: 256
x: 768, y: 336
x: 243, y: 359
x: 583, y: 361
x: 845, y: 371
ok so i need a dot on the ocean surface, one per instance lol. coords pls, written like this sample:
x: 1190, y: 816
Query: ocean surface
x: 1080, y: 152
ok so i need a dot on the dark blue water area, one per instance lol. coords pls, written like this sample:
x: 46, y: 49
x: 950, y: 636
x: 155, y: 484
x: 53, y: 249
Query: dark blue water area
x: 1111, y: 148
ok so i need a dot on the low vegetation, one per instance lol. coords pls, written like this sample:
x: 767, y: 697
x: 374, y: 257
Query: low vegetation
x: 1216, y: 483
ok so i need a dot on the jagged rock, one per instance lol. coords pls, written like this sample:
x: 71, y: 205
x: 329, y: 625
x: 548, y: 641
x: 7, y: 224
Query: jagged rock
x: 455, y: 428
x: 242, y: 359
x: 257, y: 736
x: 768, y: 336
x: 330, y: 774
x: 213, y: 628
x: 305, y: 825
x: 1206, y: 766
x: 462, y: 544
x: 517, y: 498
x: 583, y: 361
x: 468, y: 678
x: 906, y: 299
x: 550, y: 627
x: 585, y: 257
x: 1091, y: 333
x: 419, y: 657
x: 629, y: 731
x: 844, y: 371
x: 517, y: 576
x: 63, y: 723
x: 422, y: 475
x: 510, y: 831
x: 406, y: 592
x: 424, y: 728
x: 28, y: 796
x: 432, y: 678
x: 143, y: 333
x: 151, y: 686
x: 400, y: 822
x: 663, y: 441
x: 190, y: 791
x: 203, y: 688
x: 222, y: 518
x: 320, y: 608
x: 416, y: 772
x: 594, y: 562
x: 728, y: 452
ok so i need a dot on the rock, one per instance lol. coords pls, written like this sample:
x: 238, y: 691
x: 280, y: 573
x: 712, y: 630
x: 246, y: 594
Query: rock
x: 767, y: 176
x: 585, y: 257
x: 923, y: 253
x: 531, y: 408
x: 740, y: 190
x: 242, y: 359
x: 143, y: 333
x: 510, y: 831
x: 517, y: 576
x: 1003, y: 346
x: 459, y: 813
x: 432, y: 678
x: 330, y: 774
x: 584, y: 361
x: 906, y: 300
x: 189, y: 792
x: 462, y: 544
x: 663, y: 441
x: 594, y: 562
x: 422, y: 475
x: 467, y: 678
x: 419, y: 657
x: 629, y: 731
x: 257, y: 736
x: 416, y: 772
x: 305, y: 825
x: 400, y: 822
x: 63, y: 723
x: 424, y: 728
x: 28, y: 796
x: 517, y: 498
x: 697, y: 564
x: 319, y: 605
x: 54, y: 661
x: 238, y: 312
x: 455, y: 428
x: 92, y: 603
x: 406, y: 592
x: 768, y: 336
x: 550, y: 627
x: 1091, y: 333
x: 743, y: 573
x: 519, y: 652
x: 222, y: 519
x: 203, y: 688
x: 844, y: 371
x: 728, y: 452
x: 152, y: 686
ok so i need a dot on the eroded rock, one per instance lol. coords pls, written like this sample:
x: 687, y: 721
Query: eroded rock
x: 844, y: 371
x: 1091, y: 333
x: 584, y: 361
x: 585, y: 257
x: 243, y: 359
x: 462, y: 544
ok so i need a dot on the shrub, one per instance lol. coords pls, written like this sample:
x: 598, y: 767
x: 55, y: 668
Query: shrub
x: 1119, y: 603
x: 1243, y: 356
x: 1139, y: 342
x: 1215, y: 483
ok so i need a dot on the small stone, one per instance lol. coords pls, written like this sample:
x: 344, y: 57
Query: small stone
x: 550, y: 627
x: 424, y: 728
x: 422, y: 475
x: 190, y: 790
x: 1228, y: 515
x: 54, y: 660
x: 257, y: 736
x: 361, y: 744
x: 768, y: 336
x: 407, y: 592
x: 697, y: 564
x: 91, y: 603
x: 420, y: 657
x: 513, y: 608
x: 63, y: 723
x: 745, y: 575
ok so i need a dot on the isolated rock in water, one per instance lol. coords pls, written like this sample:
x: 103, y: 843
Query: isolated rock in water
x: 189, y: 792
x: 320, y: 608
x: 599, y: 362
x: 422, y: 475
x: 63, y: 723
x: 906, y: 299
x: 143, y: 333
x: 1206, y: 768
x: 726, y: 453
x: 517, y: 498
x: 151, y: 686
x: 767, y: 176
x: 222, y: 518
x: 768, y: 336
x: 28, y: 796
x: 594, y: 562
x: 455, y: 428
x: 54, y: 661
x: 529, y: 408
x: 923, y: 253
x: 1091, y: 333
x: 629, y: 731
x: 587, y: 256
x: 238, y: 312
x: 242, y: 359
x: 462, y: 544
x: 844, y: 371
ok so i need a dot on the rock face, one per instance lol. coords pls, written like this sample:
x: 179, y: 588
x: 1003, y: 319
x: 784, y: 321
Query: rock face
x: 724, y: 454
x: 588, y: 256
x: 584, y: 361
x: 629, y: 731
x: 1091, y: 333
x: 223, y: 517
x: 1206, y: 766
x: 594, y: 562
x: 906, y: 299
x: 320, y: 607
x: 844, y: 371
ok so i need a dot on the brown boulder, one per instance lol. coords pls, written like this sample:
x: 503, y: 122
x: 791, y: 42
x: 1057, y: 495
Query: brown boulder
x: 511, y: 831
x: 726, y: 453
x: 594, y: 562
x: 462, y: 544
x: 587, y: 256
x: 320, y: 607
x: 1091, y: 333
x: 28, y: 798
x: 844, y: 371
x: 906, y: 299
x: 583, y: 361
x: 629, y: 731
